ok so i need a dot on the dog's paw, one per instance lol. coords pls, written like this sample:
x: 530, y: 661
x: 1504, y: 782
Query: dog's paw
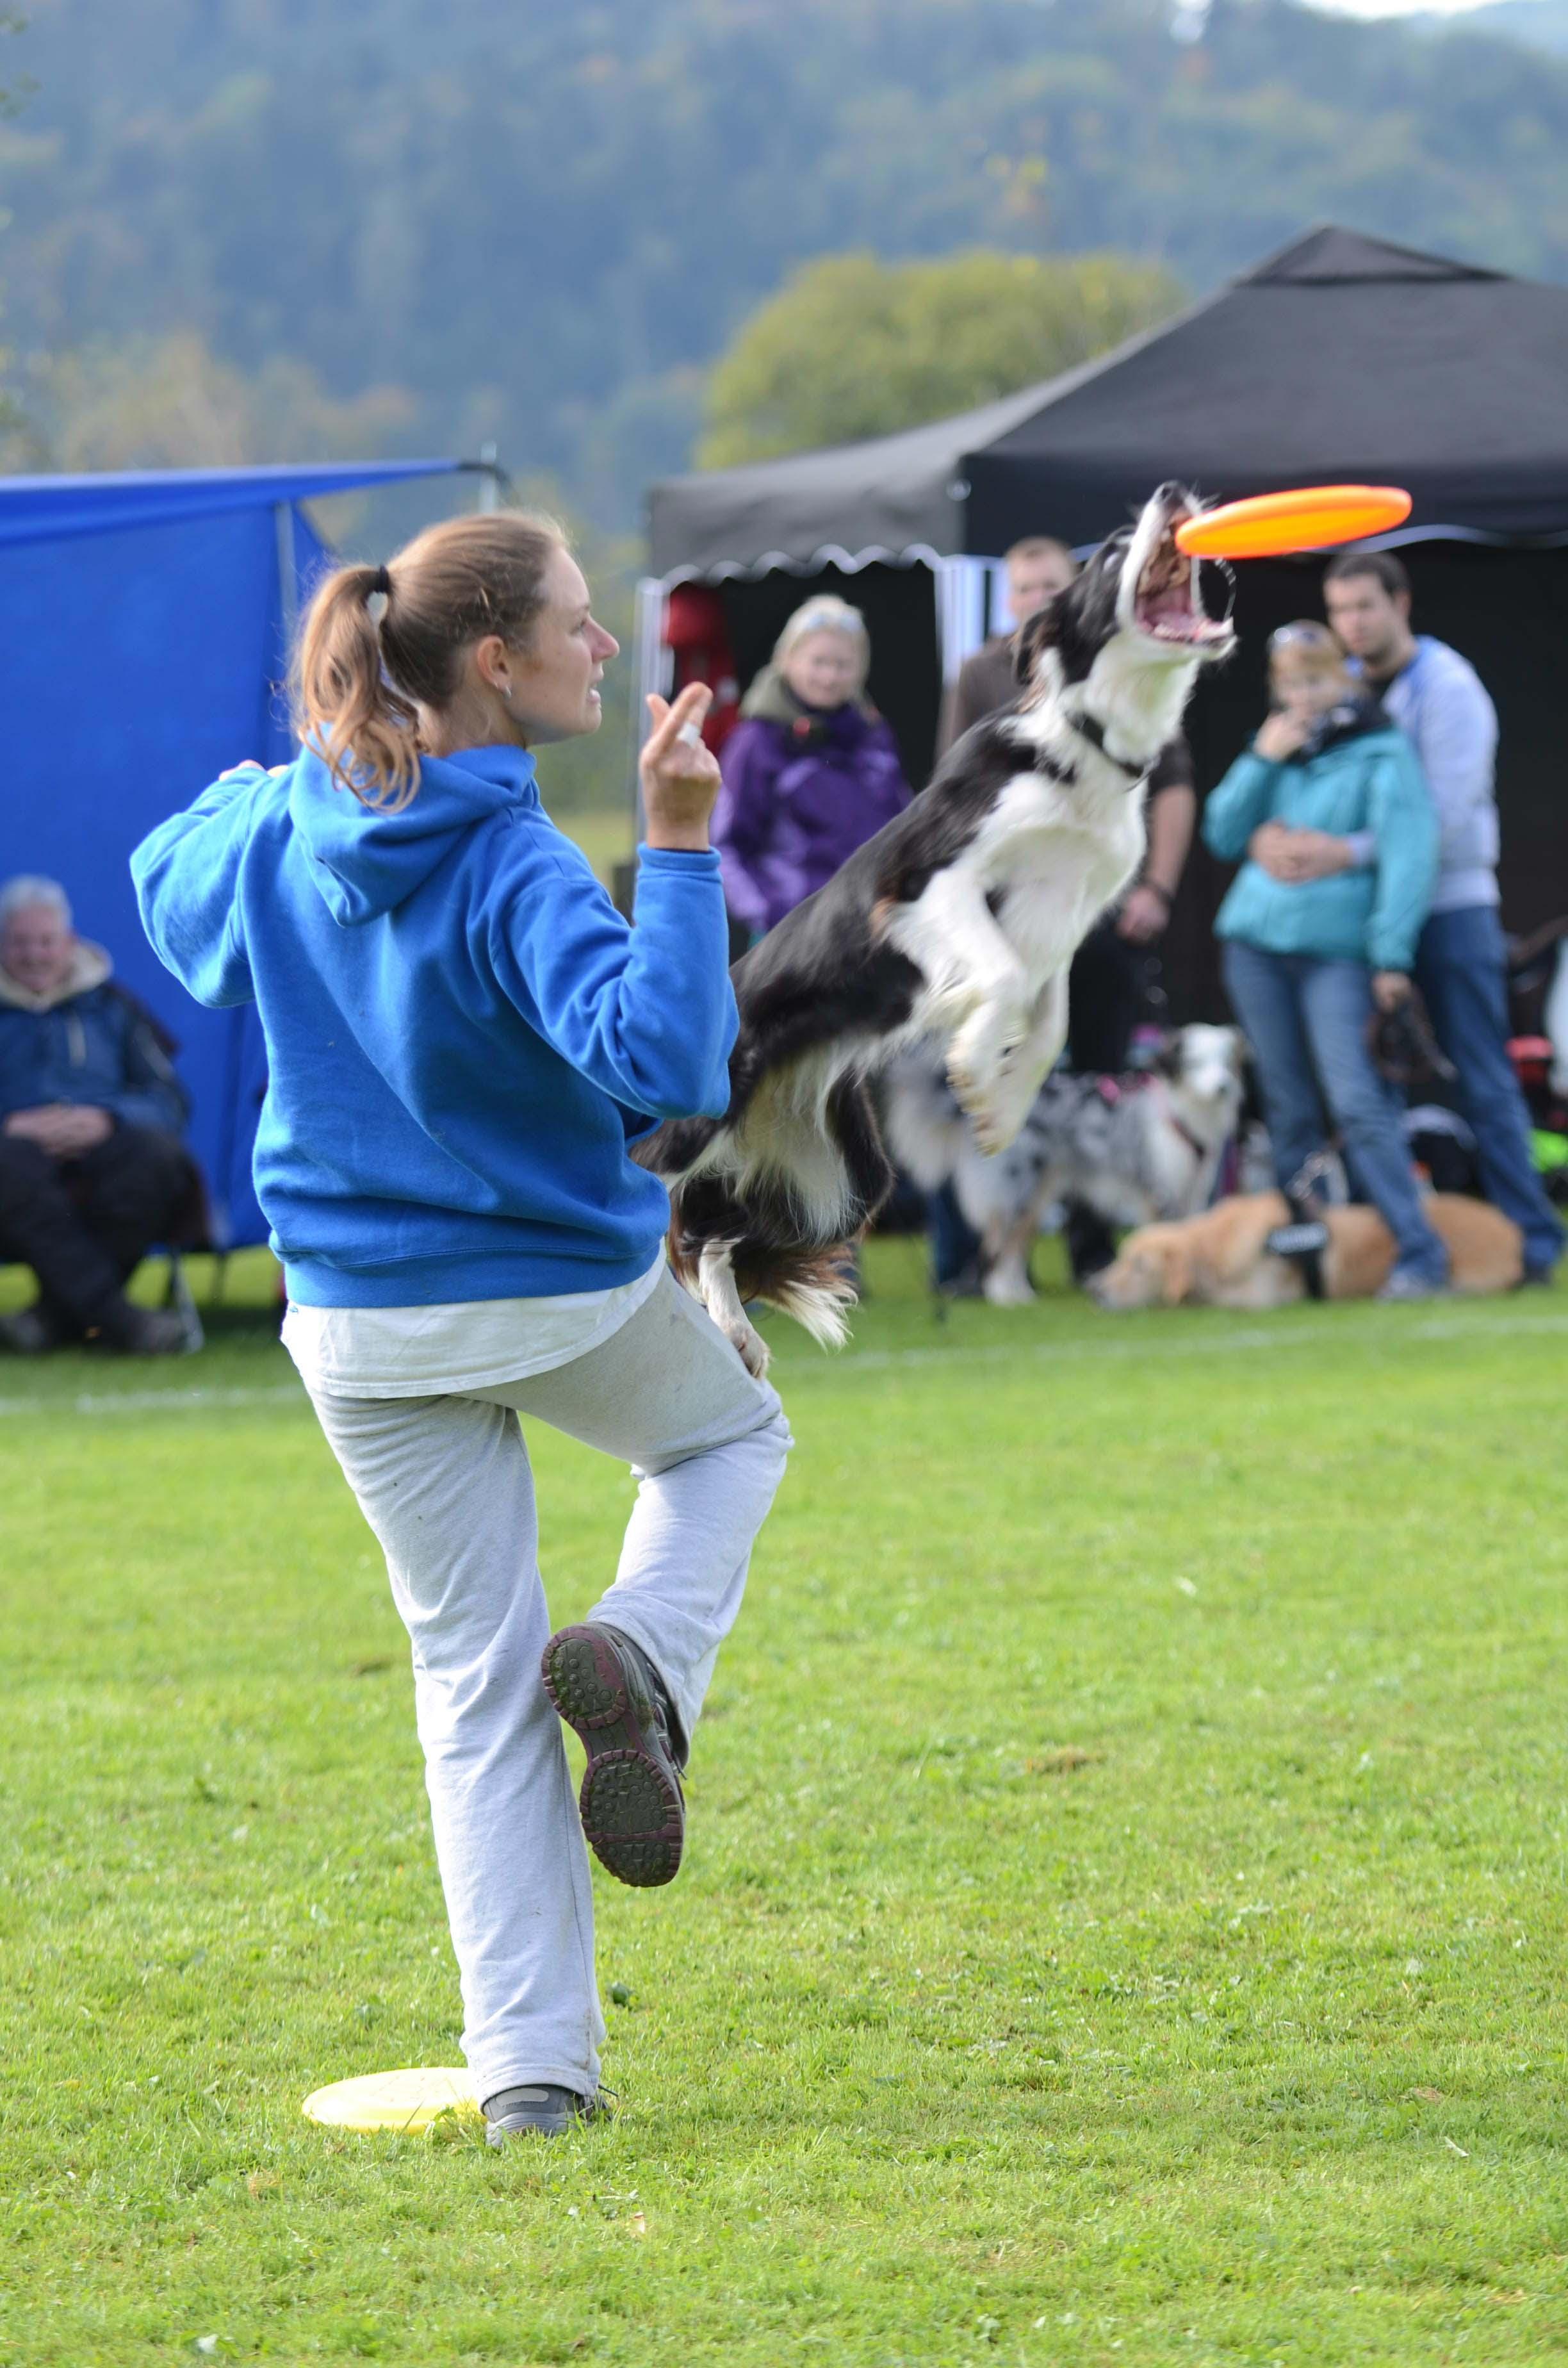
x: 1006, y: 1287
x: 750, y: 1347
x: 993, y: 1128
x: 995, y: 1108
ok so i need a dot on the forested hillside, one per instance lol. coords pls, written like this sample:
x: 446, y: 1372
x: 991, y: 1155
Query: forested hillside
x: 541, y: 223
x: 1542, y: 24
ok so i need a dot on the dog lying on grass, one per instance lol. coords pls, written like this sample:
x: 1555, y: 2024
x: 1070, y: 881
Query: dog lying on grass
x: 1222, y: 1260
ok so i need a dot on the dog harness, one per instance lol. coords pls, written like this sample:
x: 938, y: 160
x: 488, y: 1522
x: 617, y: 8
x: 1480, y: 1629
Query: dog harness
x: 1305, y: 1238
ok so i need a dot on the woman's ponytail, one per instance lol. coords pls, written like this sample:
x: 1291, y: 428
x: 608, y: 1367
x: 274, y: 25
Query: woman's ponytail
x: 348, y: 710
x: 361, y: 680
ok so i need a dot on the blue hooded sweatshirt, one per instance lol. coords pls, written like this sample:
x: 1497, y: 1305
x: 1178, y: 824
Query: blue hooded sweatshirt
x: 463, y: 1035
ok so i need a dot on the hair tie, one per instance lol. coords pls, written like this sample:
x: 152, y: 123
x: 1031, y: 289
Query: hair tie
x: 381, y: 584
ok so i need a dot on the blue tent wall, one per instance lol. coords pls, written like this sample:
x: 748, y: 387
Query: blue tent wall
x: 145, y: 622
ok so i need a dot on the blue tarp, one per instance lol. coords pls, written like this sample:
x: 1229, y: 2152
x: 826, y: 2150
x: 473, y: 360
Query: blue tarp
x: 145, y: 621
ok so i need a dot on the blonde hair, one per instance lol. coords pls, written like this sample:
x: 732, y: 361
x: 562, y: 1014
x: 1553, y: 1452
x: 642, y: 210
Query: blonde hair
x: 360, y: 681
x: 824, y: 614
x: 1312, y: 647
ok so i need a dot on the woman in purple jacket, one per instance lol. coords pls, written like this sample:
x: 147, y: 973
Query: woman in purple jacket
x: 811, y: 772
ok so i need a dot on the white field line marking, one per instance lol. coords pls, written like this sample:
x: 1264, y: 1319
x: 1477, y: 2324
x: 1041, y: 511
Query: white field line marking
x: 867, y: 1360
x: 1272, y: 1335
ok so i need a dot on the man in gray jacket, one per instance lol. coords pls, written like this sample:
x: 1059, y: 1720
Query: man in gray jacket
x: 1436, y: 696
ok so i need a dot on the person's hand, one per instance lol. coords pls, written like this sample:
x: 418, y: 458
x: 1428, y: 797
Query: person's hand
x: 64, y: 1130
x: 1318, y: 854
x: 680, y: 776
x: 1269, y: 847
x: 252, y: 765
x: 1390, y: 989
x: 1293, y: 856
x: 1280, y: 735
x: 1144, y: 914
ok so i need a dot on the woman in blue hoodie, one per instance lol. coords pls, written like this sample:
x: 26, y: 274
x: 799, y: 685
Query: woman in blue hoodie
x: 464, y: 1040
x: 1306, y: 961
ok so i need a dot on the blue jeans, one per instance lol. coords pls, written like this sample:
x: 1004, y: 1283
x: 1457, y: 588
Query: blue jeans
x: 1460, y: 970
x: 1306, y: 1021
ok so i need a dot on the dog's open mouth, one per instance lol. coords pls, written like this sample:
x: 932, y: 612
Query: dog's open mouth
x: 1168, y: 608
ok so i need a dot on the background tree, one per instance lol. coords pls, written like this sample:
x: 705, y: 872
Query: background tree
x: 169, y: 403
x: 545, y: 221
x: 852, y: 346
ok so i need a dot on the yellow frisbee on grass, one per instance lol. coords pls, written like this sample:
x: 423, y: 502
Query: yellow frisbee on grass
x: 407, y: 2101
x: 1309, y: 518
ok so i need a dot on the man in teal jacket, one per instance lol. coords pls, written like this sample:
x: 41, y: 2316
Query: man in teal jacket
x: 1306, y: 961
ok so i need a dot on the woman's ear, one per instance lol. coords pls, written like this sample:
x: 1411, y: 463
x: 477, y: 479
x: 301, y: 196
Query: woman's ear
x: 493, y: 663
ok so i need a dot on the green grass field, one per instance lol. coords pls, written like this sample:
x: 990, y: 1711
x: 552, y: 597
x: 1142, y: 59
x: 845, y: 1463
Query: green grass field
x: 1122, y: 1922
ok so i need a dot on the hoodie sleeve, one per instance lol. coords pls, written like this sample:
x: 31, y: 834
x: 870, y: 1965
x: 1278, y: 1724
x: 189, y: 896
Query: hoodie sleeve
x: 645, y: 1012
x: 1242, y: 800
x: 1404, y: 820
x: 744, y: 818
x: 187, y: 879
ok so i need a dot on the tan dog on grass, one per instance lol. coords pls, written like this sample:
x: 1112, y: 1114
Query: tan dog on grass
x: 1220, y: 1258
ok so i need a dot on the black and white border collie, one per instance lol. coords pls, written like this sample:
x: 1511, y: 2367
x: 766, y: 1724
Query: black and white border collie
x: 955, y: 922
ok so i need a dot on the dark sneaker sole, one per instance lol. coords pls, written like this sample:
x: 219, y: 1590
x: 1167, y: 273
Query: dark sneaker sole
x: 632, y: 1812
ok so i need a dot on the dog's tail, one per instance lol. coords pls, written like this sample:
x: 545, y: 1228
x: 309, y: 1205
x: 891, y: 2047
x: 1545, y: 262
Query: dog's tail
x: 813, y: 1284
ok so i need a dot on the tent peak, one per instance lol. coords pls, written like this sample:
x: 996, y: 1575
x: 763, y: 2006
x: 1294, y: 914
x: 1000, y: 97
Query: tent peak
x: 1331, y: 256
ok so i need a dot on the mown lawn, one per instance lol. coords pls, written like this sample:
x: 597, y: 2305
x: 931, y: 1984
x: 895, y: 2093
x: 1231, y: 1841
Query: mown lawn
x: 1123, y: 1919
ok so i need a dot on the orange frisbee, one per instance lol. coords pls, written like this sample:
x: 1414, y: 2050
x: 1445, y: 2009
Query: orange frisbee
x: 1309, y: 518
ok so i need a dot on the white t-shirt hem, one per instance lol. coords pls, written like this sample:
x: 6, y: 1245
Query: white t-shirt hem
x: 444, y: 1351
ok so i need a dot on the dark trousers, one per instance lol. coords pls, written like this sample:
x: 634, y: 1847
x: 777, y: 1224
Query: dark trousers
x: 1103, y: 990
x: 1460, y: 968
x: 84, y: 1224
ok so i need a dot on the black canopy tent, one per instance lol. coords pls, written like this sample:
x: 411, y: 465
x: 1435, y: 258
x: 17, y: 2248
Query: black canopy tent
x: 1339, y: 357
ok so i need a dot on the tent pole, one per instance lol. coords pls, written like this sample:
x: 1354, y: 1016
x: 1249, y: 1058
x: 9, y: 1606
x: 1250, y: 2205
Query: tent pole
x: 287, y: 581
x: 963, y: 598
x: 654, y: 672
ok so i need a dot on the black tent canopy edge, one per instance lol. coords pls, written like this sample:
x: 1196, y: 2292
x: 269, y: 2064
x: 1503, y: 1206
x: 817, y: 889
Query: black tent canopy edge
x: 1336, y: 356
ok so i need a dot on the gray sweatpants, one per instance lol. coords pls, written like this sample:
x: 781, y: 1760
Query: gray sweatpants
x: 445, y: 1483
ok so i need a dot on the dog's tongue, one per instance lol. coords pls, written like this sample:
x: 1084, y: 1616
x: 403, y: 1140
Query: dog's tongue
x: 1172, y: 604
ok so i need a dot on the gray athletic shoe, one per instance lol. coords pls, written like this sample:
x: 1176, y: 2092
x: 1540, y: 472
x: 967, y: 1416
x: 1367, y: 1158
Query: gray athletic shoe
x: 609, y: 1693
x: 543, y: 2109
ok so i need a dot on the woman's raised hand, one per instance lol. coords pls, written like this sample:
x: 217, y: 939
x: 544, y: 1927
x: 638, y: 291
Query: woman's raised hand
x: 680, y: 776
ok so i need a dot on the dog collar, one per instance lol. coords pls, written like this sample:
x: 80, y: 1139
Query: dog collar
x: 1089, y: 727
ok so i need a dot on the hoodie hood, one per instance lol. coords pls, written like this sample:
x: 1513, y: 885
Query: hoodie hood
x: 364, y: 862
x: 90, y: 966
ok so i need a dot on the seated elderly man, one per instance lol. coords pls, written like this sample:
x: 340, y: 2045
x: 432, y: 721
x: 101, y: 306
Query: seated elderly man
x: 91, y: 1167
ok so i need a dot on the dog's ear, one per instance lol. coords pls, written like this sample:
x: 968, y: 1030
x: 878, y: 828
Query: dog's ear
x: 1166, y: 1061
x: 1037, y: 633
